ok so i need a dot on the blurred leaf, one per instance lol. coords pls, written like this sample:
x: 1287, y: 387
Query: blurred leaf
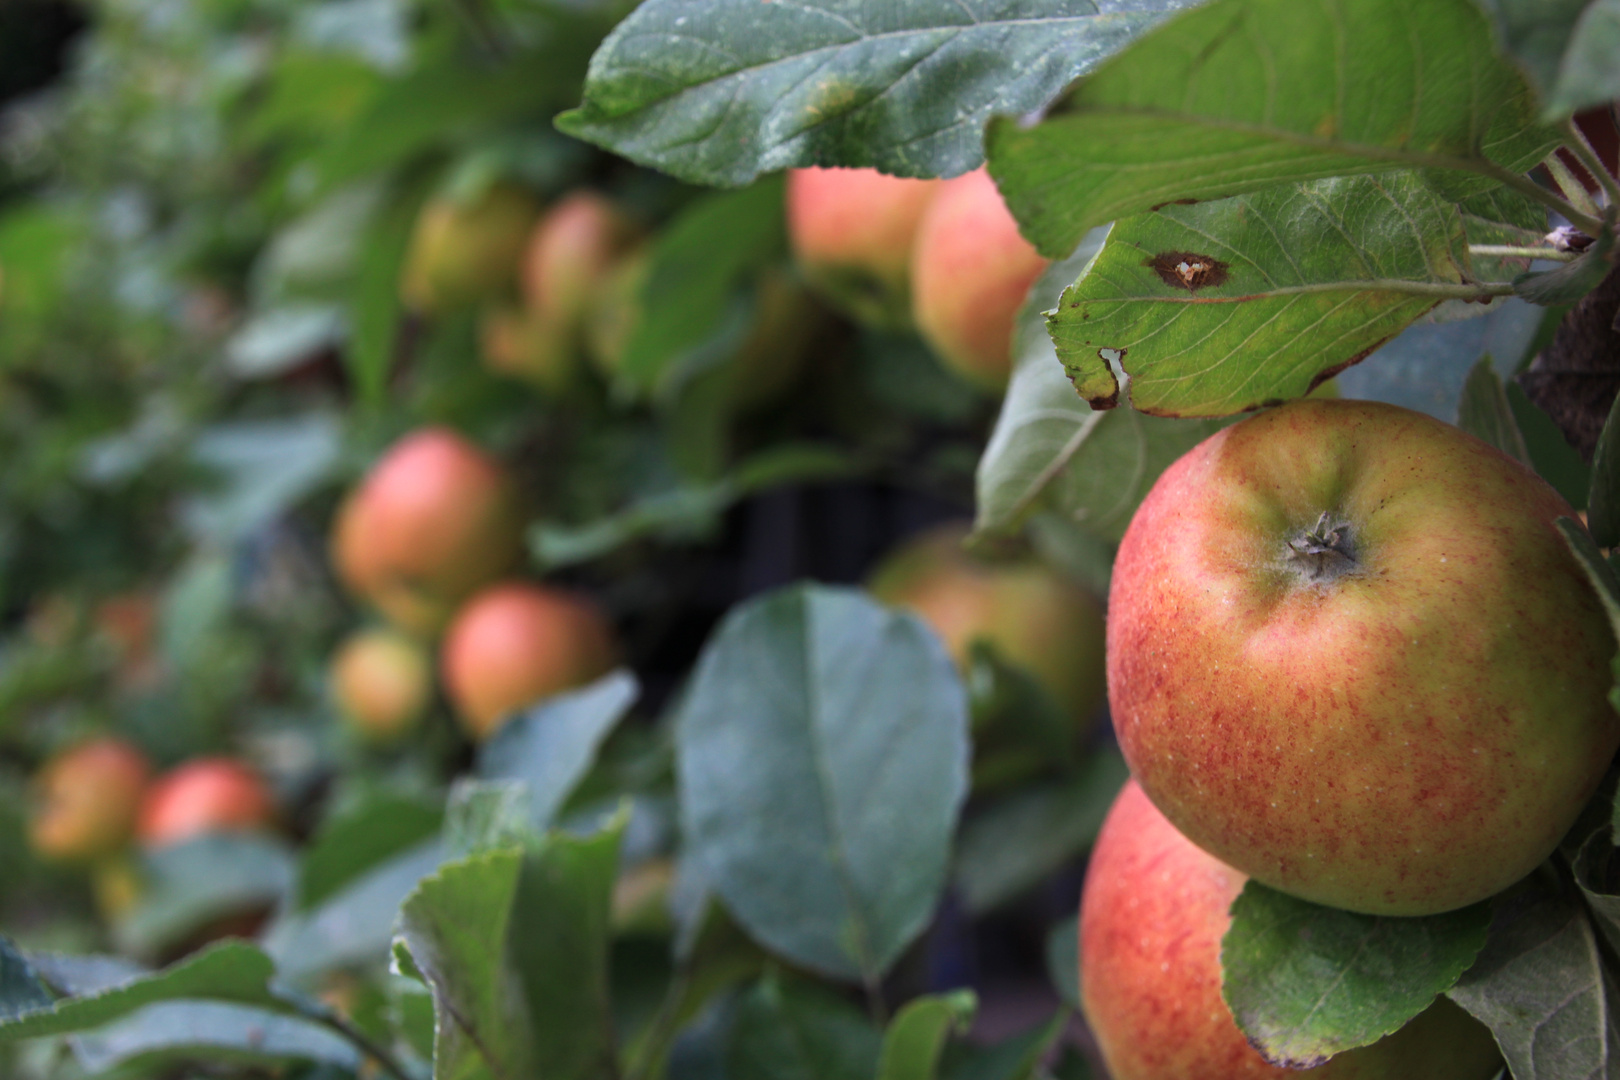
x: 1016, y: 1058
x: 22, y: 993
x: 318, y: 252
x: 1597, y: 568
x: 1603, y: 502
x: 551, y: 746
x: 822, y: 761
x: 349, y: 844
x: 1063, y: 960
x: 1305, y: 982
x: 1291, y: 284
x: 488, y: 815
x: 37, y: 242
x: 374, y: 302
x: 178, y: 1031
x: 1017, y: 724
x: 788, y: 1029
x: 1535, y: 33
x: 275, y: 341
x: 1542, y: 987
x: 917, y: 1034
x: 1050, y: 450
x: 723, y: 92
x: 265, y: 466
x: 194, y: 882
x: 902, y: 373
x: 230, y: 970
x: 1555, y: 460
x: 1012, y: 844
x: 1483, y: 411
x: 1242, y: 95
x: 1590, y: 72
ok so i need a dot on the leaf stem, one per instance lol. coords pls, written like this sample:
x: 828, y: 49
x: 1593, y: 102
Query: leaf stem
x: 1573, y: 189
x: 1525, y: 186
x: 1504, y: 251
x: 1588, y: 157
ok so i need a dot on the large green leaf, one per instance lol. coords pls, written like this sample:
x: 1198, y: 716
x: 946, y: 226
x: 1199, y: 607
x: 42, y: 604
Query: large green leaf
x: 720, y: 92
x: 822, y: 759
x: 1240, y: 95
x: 1305, y: 982
x: 222, y: 1033
x: 1222, y: 307
x: 796, y: 1030
x: 1590, y: 72
x: 357, y: 838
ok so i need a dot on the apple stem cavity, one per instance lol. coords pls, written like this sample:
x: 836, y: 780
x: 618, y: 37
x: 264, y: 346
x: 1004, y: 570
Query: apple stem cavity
x: 1325, y: 552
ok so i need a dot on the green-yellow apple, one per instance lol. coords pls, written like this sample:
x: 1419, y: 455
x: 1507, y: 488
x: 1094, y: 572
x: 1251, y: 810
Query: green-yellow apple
x: 204, y: 795
x: 516, y: 643
x: 1350, y: 654
x: 1031, y: 615
x: 466, y: 251
x: 382, y: 682
x: 1152, y: 917
x: 851, y: 231
x: 434, y: 520
x: 86, y: 799
x: 970, y: 271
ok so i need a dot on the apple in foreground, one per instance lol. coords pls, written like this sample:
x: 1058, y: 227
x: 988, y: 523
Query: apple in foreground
x: 205, y: 795
x: 1350, y: 654
x: 516, y: 643
x: 86, y: 799
x: 1152, y: 917
x: 382, y: 681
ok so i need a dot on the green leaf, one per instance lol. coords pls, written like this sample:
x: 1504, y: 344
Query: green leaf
x: 1012, y: 844
x: 822, y: 760
x: 1050, y: 450
x: 1016, y: 1058
x: 1063, y: 960
x: 788, y: 1029
x: 1483, y: 411
x: 1535, y: 33
x: 195, y: 882
x: 1597, y: 568
x: 357, y: 839
x: 1603, y: 501
x: 1241, y: 95
x: 917, y: 1034
x: 1222, y: 307
x: 22, y: 993
x: 1571, y: 281
x: 488, y: 815
x: 375, y: 308
x: 1543, y: 989
x: 1590, y: 72
x: 172, y: 1032
x: 550, y: 747
x: 1305, y: 982
x: 721, y: 92
x: 230, y: 970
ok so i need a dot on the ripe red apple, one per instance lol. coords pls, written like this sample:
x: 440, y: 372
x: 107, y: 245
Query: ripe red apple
x: 381, y: 682
x: 434, y: 520
x: 465, y: 251
x: 204, y: 795
x: 1151, y: 921
x: 516, y: 643
x: 1350, y: 655
x: 86, y: 799
x: 970, y: 271
x: 1030, y: 614
x: 852, y: 231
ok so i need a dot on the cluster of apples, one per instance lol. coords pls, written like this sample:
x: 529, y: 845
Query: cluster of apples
x: 942, y: 256
x: 1350, y: 656
x: 428, y: 540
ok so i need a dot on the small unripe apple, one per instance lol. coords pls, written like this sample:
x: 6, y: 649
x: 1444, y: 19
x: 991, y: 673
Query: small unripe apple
x: 1151, y: 922
x: 463, y: 252
x: 852, y: 231
x: 204, y: 795
x: 1350, y: 654
x: 516, y: 643
x: 382, y: 682
x: 434, y: 520
x: 1031, y: 615
x: 970, y: 272
x: 86, y: 800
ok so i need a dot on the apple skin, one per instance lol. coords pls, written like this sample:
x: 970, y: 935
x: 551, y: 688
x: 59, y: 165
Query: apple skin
x: 463, y: 252
x: 1152, y: 917
x: 851, y: 232
x: 970, y: 272
x: 435, y: 520
x: 86, y: 799
x: 516, y: 643
x: 1406, y: 738
x: 204, y: 795
x: 382, y: 682
x: 1030, y: 614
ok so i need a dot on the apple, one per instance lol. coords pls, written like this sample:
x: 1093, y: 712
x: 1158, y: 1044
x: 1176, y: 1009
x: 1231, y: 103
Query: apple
x: 204, y: 795
x: 516, y: 643
x: 1152, y: 917
x: 382, y: 682
x: 570, y: 254
x: 1031, y: 615
x: 435, y: 520
x: 86, y: 799
x: 970, y: 272
x: 525, y: 344
x: 1350, y: 655
x: 851, y: 232
x: 463, y: 251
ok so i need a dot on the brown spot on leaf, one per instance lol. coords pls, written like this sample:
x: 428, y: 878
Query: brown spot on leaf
x: 1188, y: 270
x: 1156, y: 207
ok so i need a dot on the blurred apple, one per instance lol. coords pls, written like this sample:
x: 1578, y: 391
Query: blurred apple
x: 204, y: 795
x: 382, y: 682
x: 466, y: 251
x: 86, y: 800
